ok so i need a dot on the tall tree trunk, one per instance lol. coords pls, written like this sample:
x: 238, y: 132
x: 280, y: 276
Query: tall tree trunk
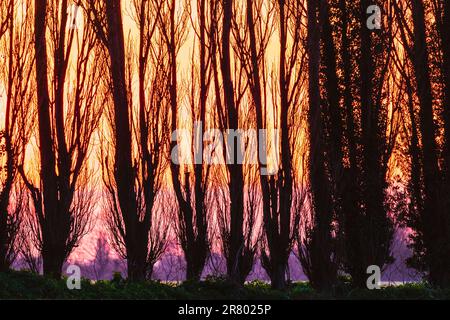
x: 350, y: 192
x: 432, y: 218
x: 236, y: 181
x: 7, y: 184
x: 446, y: 187
x: 124, y: 173
x: 276, y: 190
x: 53, y: 253
x: 445, y: 33
x: 375, y: 230
x: 323, y: 270
x: 193, y: 216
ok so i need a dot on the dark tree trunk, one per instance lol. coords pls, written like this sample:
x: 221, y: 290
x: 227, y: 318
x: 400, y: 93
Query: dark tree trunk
x: 376, y: 232
x: 350, y: 222
x: 432, y: 219
x: 445, y: 33
x: 6, y: 231
x: 193, y: 217
x: 277, y: 196
x: 52, y: 253
x: 135, y: 241
x: 333, y: 103
x: 60, y: 226
x: 323, y: 271
x: 446, y: 174
x: 236, y: 243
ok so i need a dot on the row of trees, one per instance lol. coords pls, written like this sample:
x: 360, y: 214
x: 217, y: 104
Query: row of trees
x: 378, y: 103
x: 354, y: 124
x: 360, y: 119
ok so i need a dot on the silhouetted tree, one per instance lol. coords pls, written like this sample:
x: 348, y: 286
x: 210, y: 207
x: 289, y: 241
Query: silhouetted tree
x: 138, y: 210
x: 68, y: 109
x: 368, y: 232
x: 358, y: 131
x: 102, y: 257
x: 193, y: 196
x: 429, y: 214
x: 16, y: 123
x: 281, y: 218
x: 238, y: 234
x: 317, y: 255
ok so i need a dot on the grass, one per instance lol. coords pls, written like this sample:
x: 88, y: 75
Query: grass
x: 25, y: 285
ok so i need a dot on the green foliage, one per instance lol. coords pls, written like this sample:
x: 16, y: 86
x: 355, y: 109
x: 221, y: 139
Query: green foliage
x: 26, y: 285
x: 303, y: 291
